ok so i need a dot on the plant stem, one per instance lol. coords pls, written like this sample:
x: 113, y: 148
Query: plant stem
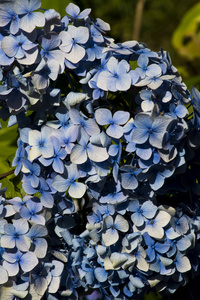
x: 138, y: 19
x: 7, y: 174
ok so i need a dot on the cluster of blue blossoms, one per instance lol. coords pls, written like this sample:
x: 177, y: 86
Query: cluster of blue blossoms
x: 108, y: 157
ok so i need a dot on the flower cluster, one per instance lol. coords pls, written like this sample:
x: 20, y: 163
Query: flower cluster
x: 107, y: 156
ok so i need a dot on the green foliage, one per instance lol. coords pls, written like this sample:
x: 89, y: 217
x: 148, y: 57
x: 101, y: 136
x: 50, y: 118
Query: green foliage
x: 8, y: 137
x: 152, y: 296
x: 58, y: 5
x: 186, y: 38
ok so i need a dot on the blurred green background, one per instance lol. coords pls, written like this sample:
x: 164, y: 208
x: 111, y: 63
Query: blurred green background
x: 173, y: 25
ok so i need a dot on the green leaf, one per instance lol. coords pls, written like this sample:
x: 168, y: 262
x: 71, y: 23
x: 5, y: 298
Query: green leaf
x: 10, y: 192
x: 152, y: 296
x: 133, y: 64
x: 8, y: 146
x: 186, y: 38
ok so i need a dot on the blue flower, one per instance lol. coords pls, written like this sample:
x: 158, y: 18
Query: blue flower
x: 87, y: 126
x: 141, y: 213
x: 117, y: 76
x: 44, y: 72
x: 20, y: 47
x: 110, y: 236
x: 12, y: 261
x: 8, y: 17
x: 40, y: 143
x: 154, y: 226
x: 154, y: 247
x: 182, y: 263
x: 128, y: 177
x: 43, y: 188
x: 150, y: 129
x: 104, y: 117
x: 145, y: 69
x: 63, y: 119
x: 29, y: 19
x: 31, y: 171
x: 50, y: 50
x: 73, y: 41
x: 14, y: 235
x: 74, y: 11
x: 37, y: 233
x: 57, y: 159
x: 75, y: 189
x: 30, y: 211
x: 84, y: 150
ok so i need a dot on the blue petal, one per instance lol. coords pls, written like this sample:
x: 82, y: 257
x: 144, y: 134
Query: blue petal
x: 110, y: 237
x: 103, y: 116
x: 143, y: 61
x: 123, y: 82
x: 28, y: 261
x: 121, y: 223
x: 78, y: 154
x: 129, y: 181
x: 149, y: 209
x: 121, y: 117
x: 137, y: 219
x: 77, y: 190
x: 183, y: 264
x: 3, y: 275
x: 115, y: 131
x: 97, y: 154
x: 60, y: 184
x: 72, y: 10
x: 40, y: 247
x: 100, y: 274
x: 76, y: 54
x: 12, y: 269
